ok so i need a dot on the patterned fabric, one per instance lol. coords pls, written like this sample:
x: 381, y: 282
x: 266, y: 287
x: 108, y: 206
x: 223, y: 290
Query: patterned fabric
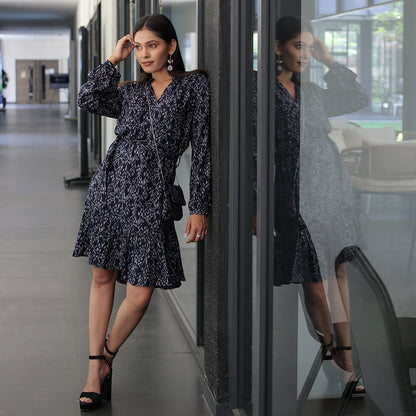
x: 316, y: 212
x: 121, y: 228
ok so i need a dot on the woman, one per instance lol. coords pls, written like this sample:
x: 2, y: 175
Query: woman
x: 317, y: 227
x: 126, y: 230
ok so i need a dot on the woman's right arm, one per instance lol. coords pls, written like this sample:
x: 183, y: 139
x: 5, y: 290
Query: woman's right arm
x: 100, y: 94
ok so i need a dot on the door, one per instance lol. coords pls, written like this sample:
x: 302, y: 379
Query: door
x: 32, y: 84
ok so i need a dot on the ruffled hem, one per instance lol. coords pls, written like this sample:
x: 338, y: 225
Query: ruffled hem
x: 144, y: 256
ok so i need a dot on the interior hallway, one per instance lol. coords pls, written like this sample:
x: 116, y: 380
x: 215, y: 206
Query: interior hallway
x: 44, y: 291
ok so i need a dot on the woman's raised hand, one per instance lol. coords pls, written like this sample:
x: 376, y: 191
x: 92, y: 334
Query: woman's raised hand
x: 122, y: 50
x: 320, y: 52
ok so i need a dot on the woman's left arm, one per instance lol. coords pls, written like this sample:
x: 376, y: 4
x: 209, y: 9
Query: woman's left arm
x: 200, y: 181
x: 344, y: 94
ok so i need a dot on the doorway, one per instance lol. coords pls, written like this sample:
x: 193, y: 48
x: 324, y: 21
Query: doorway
x: 33, y: 81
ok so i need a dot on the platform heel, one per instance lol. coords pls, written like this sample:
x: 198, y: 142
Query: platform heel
x: 106, y: 388
x: 96, y: 398
x: 353, y: 383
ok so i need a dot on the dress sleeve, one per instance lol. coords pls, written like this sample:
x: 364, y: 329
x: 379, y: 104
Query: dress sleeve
x: 200, y: 180
x: 344, y: 94
x: 100, y: 95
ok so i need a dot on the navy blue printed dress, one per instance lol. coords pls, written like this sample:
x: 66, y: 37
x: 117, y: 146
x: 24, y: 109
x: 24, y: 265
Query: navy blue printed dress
x: 316, y: 212
x: 122, y: 227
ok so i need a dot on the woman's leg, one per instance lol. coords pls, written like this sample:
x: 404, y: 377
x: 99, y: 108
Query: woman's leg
x: 341, y: 327
x: 101, y: 305
x: 342, y: 330
x: 318, y: 310
x: 128, y: 316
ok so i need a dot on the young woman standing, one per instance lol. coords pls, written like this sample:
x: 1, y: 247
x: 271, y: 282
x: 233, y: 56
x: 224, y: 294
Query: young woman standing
x: 127, y: 230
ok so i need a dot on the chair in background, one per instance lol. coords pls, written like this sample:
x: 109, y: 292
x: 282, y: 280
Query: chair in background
x: 384, y: 169
x: 346, y: 134
x: 385, y: 344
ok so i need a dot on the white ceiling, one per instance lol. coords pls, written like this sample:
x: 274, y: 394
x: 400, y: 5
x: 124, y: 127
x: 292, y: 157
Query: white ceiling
x: 34, y: 14
x: 40, y: 3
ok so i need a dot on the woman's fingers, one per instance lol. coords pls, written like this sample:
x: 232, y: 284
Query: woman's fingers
x: 123, y: 49
x: 196, y: 228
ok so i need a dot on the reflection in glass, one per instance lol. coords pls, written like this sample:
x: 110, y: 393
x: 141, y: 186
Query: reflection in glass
x: 345, y: 183
x: 326, y: 7
x: 183, y: 16
x: 353, y: 4
x: 316, y: 213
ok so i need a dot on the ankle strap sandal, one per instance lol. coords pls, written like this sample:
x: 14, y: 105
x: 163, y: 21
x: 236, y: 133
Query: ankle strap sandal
x: 96, y: 398
x: 340, y: 348
x: 108, y: 350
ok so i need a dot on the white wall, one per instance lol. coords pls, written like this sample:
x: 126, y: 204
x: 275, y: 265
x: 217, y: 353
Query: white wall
x: 85, y: 11
x: 53, y: 45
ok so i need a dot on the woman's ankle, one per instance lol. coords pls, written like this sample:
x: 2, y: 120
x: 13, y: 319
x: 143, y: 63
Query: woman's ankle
x: 343, y: 358
x: 109, y: 351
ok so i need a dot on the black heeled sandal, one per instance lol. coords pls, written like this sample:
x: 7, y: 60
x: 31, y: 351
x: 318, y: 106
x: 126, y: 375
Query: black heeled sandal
x: 327, y: 349
x: 354, y: 386
x: 96, y: 398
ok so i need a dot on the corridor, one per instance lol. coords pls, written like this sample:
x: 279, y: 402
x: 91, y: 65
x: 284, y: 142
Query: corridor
x: 44, y: 291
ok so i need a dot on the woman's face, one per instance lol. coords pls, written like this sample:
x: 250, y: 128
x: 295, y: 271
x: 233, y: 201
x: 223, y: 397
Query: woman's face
x: 151, y: 51
x: 296, y: 53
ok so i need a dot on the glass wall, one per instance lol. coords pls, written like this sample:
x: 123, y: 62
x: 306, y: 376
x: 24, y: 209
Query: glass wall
x: 183, y: 14
x: 341, y: 209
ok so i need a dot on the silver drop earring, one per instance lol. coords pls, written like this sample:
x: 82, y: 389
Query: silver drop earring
x: 279, y: 62
x: 170, y: 62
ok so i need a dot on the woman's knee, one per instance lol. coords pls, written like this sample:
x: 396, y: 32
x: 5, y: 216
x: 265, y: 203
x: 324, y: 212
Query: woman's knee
x: 139, y: 297
x: 341, y: 271
x: 103, y: 276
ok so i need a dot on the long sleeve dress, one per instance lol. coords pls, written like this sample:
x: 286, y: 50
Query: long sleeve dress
x: 122, y: 227
x: 316, y: 215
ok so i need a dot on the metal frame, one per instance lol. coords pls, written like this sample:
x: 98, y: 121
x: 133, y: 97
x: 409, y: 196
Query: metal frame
x: 84, y: 177
x: 409, y: 61
x: 123, y: 26
x: 240, y: 218
x: 263, y: 299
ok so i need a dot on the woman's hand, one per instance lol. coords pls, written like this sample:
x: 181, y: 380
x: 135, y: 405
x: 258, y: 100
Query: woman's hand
x: 196, y: 228
x: 320, y: 52
x: 122, y: 50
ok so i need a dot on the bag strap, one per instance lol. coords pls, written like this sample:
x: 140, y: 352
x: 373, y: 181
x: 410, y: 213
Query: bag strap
x: 154, y: 136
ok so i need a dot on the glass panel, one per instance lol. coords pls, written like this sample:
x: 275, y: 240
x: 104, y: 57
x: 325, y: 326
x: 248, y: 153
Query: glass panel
x: 324, y: 7
x: 345, y: 213
x: 182, y: 13
x: 184, y: 18
x: 353, y: 4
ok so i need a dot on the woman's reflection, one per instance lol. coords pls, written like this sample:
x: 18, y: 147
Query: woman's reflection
x: 317, y: 228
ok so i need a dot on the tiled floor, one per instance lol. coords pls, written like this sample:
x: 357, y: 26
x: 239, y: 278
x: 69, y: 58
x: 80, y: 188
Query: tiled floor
x: 44, y: 291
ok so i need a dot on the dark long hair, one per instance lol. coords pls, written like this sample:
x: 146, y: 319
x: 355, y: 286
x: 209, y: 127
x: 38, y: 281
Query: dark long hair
x: 288, y: 27
x: 163, y: 27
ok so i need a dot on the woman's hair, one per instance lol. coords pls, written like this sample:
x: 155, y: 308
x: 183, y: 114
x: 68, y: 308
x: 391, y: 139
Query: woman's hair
x: 288, y: 27
x: 163, y: 27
